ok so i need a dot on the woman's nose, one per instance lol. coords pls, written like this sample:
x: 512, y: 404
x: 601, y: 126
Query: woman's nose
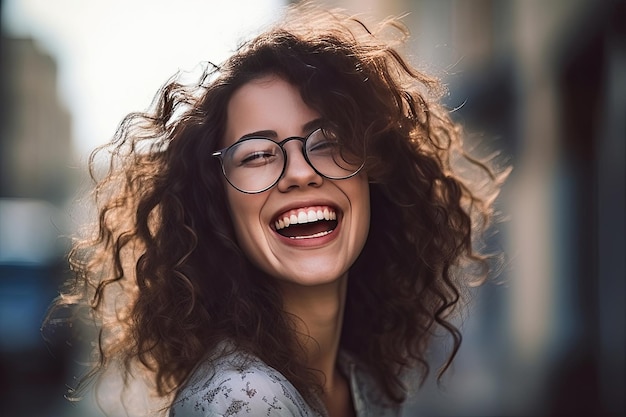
x: 298, y: 172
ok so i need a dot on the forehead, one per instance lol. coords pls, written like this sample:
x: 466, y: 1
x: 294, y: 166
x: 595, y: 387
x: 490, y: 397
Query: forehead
x: 268, y: 103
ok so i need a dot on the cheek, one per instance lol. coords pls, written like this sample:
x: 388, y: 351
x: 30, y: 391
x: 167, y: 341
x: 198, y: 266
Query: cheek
x: 244, y: 213
x: 360, y: 201
x: 364, y: 212
x: 361, y: 197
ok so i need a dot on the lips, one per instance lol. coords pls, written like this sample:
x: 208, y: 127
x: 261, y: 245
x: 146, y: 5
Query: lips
x: 306, y: 222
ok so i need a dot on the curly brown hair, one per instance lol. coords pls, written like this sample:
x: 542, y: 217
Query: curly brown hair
x: 164, y: 274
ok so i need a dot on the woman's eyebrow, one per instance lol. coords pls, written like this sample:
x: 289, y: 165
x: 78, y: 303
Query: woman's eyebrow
x: 312, y: 125
x: 307, y: 128
x: 263, y: 133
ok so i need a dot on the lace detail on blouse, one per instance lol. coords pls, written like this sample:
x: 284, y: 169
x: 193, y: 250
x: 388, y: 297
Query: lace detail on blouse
x: 241, y: 385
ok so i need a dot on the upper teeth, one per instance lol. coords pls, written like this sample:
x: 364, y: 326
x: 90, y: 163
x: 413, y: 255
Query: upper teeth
x: 302, y: 216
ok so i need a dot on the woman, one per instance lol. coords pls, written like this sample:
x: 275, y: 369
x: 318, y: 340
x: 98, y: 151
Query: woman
x: 285, y: 237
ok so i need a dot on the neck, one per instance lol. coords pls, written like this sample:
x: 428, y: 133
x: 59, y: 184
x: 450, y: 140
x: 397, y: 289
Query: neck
x: 319, y: 312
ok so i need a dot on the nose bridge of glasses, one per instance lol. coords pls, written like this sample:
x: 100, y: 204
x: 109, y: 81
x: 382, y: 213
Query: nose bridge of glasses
x: 298, y: 151
x: 283, y: 144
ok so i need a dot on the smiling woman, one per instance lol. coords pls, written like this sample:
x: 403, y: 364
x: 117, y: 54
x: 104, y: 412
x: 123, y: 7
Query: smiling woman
x: 273, y: 105
x: 289, y: 233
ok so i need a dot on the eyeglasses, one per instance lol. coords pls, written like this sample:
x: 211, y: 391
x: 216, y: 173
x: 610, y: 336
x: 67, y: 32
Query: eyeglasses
x: 255, y: 164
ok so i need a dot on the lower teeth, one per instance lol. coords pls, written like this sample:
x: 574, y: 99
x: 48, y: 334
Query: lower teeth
x: 320, y: 234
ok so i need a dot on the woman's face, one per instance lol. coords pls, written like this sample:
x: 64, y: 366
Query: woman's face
x: 313, y: 251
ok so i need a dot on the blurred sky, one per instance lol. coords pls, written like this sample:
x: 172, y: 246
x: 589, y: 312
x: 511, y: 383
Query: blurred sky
x: 113, y: 55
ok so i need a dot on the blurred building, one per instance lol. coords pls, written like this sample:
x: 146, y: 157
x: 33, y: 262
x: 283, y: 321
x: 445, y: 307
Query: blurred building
x: 36, y: 150
x: 36, y: 178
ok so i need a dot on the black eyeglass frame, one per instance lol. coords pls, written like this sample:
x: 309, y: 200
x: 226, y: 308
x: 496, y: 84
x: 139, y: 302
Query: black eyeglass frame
x: 219, y: 154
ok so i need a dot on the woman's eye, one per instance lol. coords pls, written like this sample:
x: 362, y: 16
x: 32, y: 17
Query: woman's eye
x: 257, y: 158
x: 326, y: 146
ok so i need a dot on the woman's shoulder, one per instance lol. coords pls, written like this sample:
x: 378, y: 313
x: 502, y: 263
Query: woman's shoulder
x: 238, y: 384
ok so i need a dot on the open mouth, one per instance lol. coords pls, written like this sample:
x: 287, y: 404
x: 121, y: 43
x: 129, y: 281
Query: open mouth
x: 307, y: 223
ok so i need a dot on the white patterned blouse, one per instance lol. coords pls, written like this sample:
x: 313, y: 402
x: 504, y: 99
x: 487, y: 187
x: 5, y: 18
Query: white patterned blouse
x: 238, y: 384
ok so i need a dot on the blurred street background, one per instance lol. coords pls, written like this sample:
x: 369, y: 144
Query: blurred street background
x: 544, y: 82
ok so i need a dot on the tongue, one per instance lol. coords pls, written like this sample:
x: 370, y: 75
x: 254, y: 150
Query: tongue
x: 308, y: 229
